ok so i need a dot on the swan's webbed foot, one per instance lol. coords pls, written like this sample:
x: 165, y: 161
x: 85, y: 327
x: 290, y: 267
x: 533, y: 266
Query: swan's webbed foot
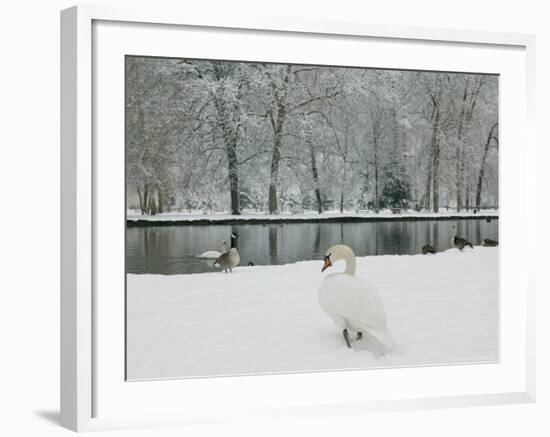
x: 346, y: 337
x: 359, y: 335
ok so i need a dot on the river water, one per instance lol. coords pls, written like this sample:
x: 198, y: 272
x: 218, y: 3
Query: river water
x: 173, y: 249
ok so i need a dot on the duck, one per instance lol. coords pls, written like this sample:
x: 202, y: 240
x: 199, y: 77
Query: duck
x: 353, y: 303
x: 213, y: 254
x: 427, y: 249
x: 460, y: 243
x: 230, y: 259
x: 489, y: 243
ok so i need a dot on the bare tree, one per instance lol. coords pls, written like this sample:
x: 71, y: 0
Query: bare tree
x: 492, y: 137
x: 233, y: 136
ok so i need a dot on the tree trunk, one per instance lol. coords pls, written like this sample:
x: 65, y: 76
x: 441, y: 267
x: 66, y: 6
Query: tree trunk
x: 152, y: 204
x: 343, y: 186
x: 458, y: 182
x: 435, y: 159
x: 435, y: 175
x: 275, y: 159
x: 160, y: 206
x: 427, y: 193
x: 232, y: 170
x: 140, y: 197
x: 482, y: 166
x: 146, y: 199
x: 274, y: 176
x: 459, y: 178
x: 459, y: 154
x: 279, y: 93
x: 315, y: 174
x: 230, y: 139
x: 376, y: 197
x: 469, y: 101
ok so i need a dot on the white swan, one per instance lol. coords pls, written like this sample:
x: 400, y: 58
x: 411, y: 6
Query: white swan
x: 213, y: 254
x: 353, y: 303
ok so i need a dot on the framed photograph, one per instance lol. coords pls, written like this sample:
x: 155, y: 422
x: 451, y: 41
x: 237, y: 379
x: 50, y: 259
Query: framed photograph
x: 265, y: 218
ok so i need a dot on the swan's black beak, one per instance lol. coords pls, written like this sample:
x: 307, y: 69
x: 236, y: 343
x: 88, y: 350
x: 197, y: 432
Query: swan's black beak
x: 327, y: 263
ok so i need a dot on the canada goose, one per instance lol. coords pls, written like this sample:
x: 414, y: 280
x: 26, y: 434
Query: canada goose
x: 461, y: 243
x: 427, y: 248
x: 213, y: 254
x: 353, y: 303
x: 489, y: 243
x: 226, y: 261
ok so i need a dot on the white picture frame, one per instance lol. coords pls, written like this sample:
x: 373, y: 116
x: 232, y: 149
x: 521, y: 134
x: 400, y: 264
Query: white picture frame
x: 92, y: 391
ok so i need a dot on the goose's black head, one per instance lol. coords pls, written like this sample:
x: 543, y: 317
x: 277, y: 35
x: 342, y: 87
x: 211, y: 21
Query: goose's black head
x: 234, y: 238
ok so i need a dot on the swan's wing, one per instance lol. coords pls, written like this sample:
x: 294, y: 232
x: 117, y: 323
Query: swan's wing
x: 353, y: 299
x: 384, y: 338
x: 209, y: 254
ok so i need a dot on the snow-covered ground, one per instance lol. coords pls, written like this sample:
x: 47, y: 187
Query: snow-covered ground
x: 441, y: 309
x: 312, y: 215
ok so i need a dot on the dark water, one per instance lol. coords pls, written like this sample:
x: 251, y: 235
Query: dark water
x: 172, y: 249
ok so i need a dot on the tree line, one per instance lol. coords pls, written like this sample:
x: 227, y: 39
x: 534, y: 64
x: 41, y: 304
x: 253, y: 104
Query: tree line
x: 235, y: 136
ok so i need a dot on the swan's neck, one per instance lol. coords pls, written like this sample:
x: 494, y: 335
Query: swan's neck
x: 350, y: 264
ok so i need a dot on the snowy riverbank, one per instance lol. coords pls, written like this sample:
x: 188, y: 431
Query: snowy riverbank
x: 441, y: 309
x: 135, y: 219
